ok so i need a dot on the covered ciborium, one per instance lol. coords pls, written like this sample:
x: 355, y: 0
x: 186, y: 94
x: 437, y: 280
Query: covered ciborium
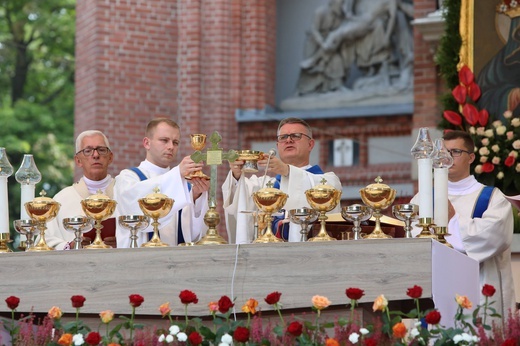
x: 377, y: 196
x: 323, y: 198
x: 41, y: 210
x: 269, y: 200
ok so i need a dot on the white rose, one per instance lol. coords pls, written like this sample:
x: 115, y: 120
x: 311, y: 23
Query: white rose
x: 508, y: 114
x: 414, y: 332
x: 495, y: 160
x: 77, y: 339
x: 174, y: 329
x: 472, y: 130
x: 182, y: 337
x: 161, y: 338
x: 488, y: 133
x: 353, y: 338
x: 497, y: 123
x: 226, y: 338
x: 483, y: 151
x: 483, y: 159
x: 514, y: 153
x: 363, y: 331
x: 516, y: 144
x: 480, y: 131
x: 466, y: 337
x: 485, y: 141
x: 500, y: 175
x: 478, y: 169
x: 501, y: 130
x: 515, y: 122
x: 495, y: 148
x: 457, y: 338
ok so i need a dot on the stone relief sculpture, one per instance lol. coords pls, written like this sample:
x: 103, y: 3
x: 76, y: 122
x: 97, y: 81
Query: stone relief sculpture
x: 355, y: 50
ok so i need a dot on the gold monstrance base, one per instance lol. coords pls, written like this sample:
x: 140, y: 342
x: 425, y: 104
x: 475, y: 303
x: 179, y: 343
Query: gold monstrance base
x: 212, y: 219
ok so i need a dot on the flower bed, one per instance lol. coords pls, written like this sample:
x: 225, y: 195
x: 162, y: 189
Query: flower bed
x: 389, y: 328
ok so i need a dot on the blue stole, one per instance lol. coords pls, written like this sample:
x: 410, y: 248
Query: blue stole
x: 284, y: 231
x: 180, y: 236
x: 482, y: 201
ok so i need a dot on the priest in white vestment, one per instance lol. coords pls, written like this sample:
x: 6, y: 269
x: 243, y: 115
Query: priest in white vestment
x: 294, y: 175
x: 161, y: 144
x: 484, y: 233
x: 93, y: 156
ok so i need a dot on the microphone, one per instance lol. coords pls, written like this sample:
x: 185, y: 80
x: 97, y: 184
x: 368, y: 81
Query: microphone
x: 272, y: 152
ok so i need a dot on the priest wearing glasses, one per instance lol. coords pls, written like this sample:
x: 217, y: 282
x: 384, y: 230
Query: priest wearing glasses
x: 291, y: 172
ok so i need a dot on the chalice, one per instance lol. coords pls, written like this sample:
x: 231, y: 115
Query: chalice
x: 135, y: 223
x: 78, y: 225
x: 323, y: 198
x: 356, y: 213
x: 303, y: 217
x: 406, y: 213
x: 250, y: 158
x: 98, y: 207
x: 41, y: 210
x: 269, y: 200
x: 378, y: 197
x: 26, y: 227
x: 198, y: 142
x: 155, y: 205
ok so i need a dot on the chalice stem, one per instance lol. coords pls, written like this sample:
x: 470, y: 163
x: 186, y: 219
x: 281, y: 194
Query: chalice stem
x: 98, y: 240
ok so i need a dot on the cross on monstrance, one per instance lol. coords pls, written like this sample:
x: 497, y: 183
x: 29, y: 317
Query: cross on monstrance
x: 213, y: 157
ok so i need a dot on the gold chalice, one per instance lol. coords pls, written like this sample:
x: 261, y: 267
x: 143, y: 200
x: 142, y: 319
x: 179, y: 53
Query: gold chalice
x: 303, y: 217
x: 377, y: 196
x: 269, y: 200
x: 323, y: 198
x: 406, y: 213
x: 356, y: 213
x: 135, y: 223
x: 41, y: 210
x: 155, y: 205
x: 26, y: 227
x: 78, y: 225
x: 98, y: 207
x: 198, y: 142
x: 250, y: 158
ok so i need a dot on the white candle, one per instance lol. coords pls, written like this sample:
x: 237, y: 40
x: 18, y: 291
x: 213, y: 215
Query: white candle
x: 440, y: 197
x: 27, y: 195
x: 4, y: 207
x: 425, y: 188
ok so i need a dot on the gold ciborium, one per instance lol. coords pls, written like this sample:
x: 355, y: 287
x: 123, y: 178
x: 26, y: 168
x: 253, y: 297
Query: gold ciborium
x: 323, y: 198
x: 356, y: 213
x: 135, y: 223
x: 26, y: 227
x: 406, y: 213
x: 155, y: 205
x: 250, y: 158
x: 41, y: 210
x: 198, y: 142
x: 377, y: 196
x: 303, y: 217
x: 269, y: 200
x: 78, y: 225
x: 98, y: 207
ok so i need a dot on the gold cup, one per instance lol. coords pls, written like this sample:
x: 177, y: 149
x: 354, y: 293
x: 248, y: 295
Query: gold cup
x: 250, y: 158
x: 198, y: 142
x: 155, y: 205
x: 377, y: 196
x: 269, y: 200
x: 98, y: 207
x: 323, y: 198
x: 78, y: 225
x: 41, y: 210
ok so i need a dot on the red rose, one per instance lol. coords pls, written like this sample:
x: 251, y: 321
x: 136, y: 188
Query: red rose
x: 273, y: 298
x: 12, y: 302
x: 509, y: 342
x: 188, y: 297
x: 370, y: 342
x: 488, y: 167
x: 136, y: 300
x: 241, y: 334
x: 93, y: 338
x: 354, y: 293
x: 415, y: 292
x: 488, y: 290
x: 77, y: 301
x: 195, y: 338
x: 433, y: 317
x: 509, y: 161
x: 224, y: 304
x: 295, y: 328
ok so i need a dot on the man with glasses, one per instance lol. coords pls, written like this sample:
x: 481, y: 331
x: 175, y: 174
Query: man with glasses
x: 291, y: 172
x: 480, y: 222
x: 93, y: 156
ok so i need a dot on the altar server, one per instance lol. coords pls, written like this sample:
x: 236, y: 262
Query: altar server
x: 93, y: 156
x: 161, y: 142
x: 480, y: 223
x: 293, y: 175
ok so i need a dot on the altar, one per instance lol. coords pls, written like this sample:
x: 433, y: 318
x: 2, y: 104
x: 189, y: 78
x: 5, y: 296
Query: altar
x: 298, y: 270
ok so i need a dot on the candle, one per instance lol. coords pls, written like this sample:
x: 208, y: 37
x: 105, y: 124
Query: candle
x: 27, y: 195
x: 425, y: 188
x: 440, y: 202
x: 4, y: 207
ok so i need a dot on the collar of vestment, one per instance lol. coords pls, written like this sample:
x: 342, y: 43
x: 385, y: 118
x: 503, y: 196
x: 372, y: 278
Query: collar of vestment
x: 83, y: 190
x: 465, y: 186
x: 152, y: 168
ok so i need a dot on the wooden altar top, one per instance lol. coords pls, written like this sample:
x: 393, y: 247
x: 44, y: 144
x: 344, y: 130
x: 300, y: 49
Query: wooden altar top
x: 298, y: 270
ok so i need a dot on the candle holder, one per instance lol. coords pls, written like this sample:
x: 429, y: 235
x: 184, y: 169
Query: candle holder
x: 426, y: 223
x: 356, y: 213
x: 41, y: 210
x: 27, y: 227
x: 4, y: 240
x: 441, y: 233
x: 6, y: 170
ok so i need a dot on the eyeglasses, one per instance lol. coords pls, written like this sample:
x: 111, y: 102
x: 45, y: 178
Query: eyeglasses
x: 294, y: 137
x: 458, y: 152
x: 102, y: 151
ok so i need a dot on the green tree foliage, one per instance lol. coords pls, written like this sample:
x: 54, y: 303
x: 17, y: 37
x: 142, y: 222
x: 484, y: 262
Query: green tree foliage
x: 37, y: 90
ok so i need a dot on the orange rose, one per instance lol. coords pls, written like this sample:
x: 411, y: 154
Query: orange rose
x: 250, y: 306
x: 106, y: 316
x: 380, y: 303
x: 331, y: 342
x: 113, y: 344
x: 55, y: 313
x: 463, y: 301
x: 164, y: 309
x: 65, y: 340
x: 320, y: 302
x: 399, y: 330
x: 213, y: 307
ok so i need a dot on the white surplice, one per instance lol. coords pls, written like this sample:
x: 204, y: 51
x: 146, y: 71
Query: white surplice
x: 169, y: 181
x: 487, y: 239
x: 238, y: 201
x: 70, y: 198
